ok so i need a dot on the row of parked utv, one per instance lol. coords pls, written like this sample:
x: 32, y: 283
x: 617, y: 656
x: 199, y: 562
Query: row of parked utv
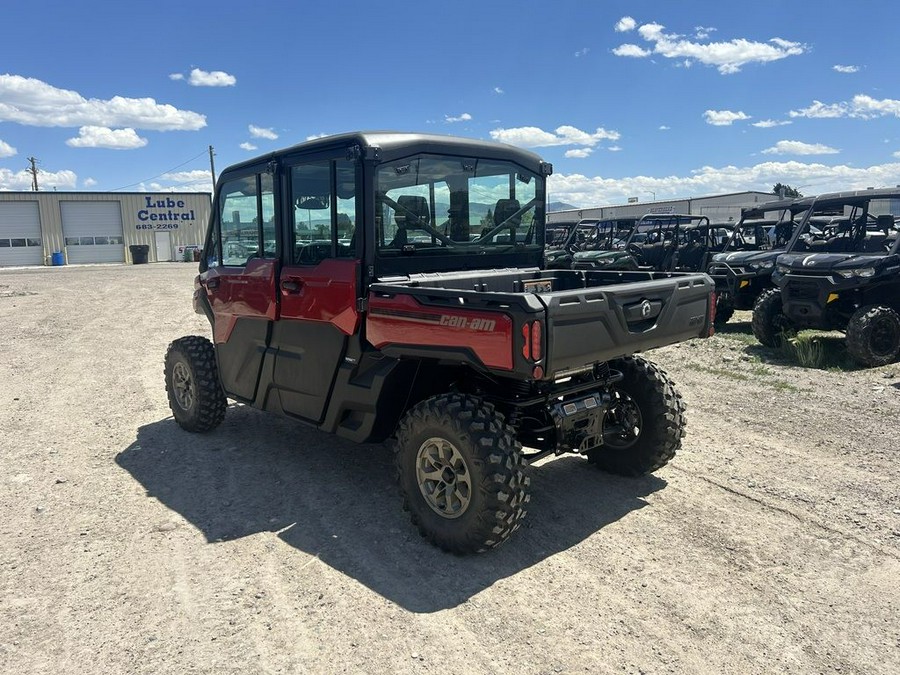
x: 830, y: 262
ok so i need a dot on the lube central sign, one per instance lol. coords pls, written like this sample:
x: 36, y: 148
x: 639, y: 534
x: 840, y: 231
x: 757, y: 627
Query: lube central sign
x: 163, y: 213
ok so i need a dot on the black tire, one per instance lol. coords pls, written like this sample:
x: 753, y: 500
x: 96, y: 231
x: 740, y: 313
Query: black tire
x: 724, y: 309
x: 192, y: 384
x: 769, y: 323
x: 645, y: 422
x: 468, y: 447
x: 873, y: 335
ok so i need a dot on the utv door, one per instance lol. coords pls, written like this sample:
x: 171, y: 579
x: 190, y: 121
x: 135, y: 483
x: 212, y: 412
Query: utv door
x: 239, y: 278
x: 318, y: 284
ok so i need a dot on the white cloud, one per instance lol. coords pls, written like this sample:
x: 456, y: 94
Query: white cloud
x: 104, y: 137
x: 195, y: 176
x: 702, y: 32
x: 261, y: 132
x: 203, y: 186
x: 846, y: 69
x: 585, y: 191
x: 821, y: 110
x: 724, y: 118
x: 799, y: 148
x: 465, y: 117
x: 896, y: 154
x: 247, y: 146
x: 88, y: 182
x: 728, y: 57
x: 315, y: 136
x: 35, y: 103
x: 625, y: 24
x: 21, y: 180
x: 6, y: 150
x: 860, y: 107
x: 579, y: 153
x: 867, y: 107
x: 176, y: 76
x: 614, y: 148
x: 631, y: 50
x: 534, y: 137
x: 498, y: 90
x: 582, y: 52
x: 663, y: 127
x: 768, y: 124
x: 216, y: 78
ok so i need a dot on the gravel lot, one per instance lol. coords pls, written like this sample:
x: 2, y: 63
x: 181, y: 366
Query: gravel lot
x: 770, y: 544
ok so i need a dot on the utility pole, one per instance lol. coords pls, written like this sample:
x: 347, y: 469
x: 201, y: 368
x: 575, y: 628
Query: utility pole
x: 212, y: 167
x: 34, y: 172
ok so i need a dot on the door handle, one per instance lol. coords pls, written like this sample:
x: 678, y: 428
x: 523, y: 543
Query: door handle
x: 291, y: 286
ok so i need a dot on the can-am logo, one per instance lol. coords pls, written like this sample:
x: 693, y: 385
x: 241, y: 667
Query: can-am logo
x: 809, y: 260
x: 465, y: 322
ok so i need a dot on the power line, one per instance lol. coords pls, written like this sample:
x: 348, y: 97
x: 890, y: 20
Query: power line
x: 160, y: 174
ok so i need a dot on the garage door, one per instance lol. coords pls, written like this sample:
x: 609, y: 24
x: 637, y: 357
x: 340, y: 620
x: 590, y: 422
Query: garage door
x: 93, y: 232
x: 20, y: 234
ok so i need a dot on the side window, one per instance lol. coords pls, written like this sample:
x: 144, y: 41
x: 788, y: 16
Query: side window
x: 345, y: 199
x: 267, y: 209
x: 239, y: 222
x: 247, y: 227
x: 324, y: 197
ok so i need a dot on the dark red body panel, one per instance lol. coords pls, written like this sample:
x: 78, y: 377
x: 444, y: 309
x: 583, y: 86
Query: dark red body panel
x: 402, y: 320
x: 325, y: 293
x: 237, y: 292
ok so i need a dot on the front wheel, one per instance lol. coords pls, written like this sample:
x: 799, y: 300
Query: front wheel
x: 724, y: 309
x: 461, y: 473
x: 644, y: 424
x: 873, y: 335
x: 769, y: 323
x: 192, y: 384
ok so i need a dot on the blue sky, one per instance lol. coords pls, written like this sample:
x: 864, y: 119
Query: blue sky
x: 652, y: 99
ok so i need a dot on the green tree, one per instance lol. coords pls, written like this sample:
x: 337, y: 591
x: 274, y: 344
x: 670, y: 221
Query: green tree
x: 786, y: 191
x: 488, y: 219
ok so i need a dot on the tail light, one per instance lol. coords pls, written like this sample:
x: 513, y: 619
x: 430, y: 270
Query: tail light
x: 712, y: 313
x: 533, y: 334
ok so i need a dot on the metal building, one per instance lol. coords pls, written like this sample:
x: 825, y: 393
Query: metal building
x: 44, y: 228
x: 718, y: 208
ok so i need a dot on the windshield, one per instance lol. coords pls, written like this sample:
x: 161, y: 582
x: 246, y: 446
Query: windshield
x: 853, y: 225
x: 433, y: 205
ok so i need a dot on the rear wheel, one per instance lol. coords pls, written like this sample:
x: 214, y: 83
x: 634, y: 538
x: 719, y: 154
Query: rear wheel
x: 461, y: 473
x: 192, y: 384
x: 645, y: 422
x: 769, y: 323
x: 873, y: 335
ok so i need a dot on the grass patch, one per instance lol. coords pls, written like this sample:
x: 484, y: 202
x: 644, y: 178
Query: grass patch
x: 817, y: 350
x: 757, y: 373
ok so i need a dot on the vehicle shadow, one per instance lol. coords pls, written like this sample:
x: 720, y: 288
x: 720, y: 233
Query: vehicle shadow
x: 338, y: 501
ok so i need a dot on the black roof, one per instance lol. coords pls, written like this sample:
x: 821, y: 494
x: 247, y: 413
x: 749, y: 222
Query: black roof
x: 857, y: 196
x: 794, y: 204
x: 396, y: 144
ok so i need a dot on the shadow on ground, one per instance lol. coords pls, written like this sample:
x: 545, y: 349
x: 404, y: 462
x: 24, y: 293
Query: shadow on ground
x: 338, y: 501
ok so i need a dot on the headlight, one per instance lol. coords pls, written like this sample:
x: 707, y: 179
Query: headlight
x: 865, y: 272
x: 783, y: 269
x: 765, y: 265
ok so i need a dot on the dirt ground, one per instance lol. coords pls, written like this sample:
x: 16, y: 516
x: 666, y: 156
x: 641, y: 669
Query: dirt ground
x: 770, y: 544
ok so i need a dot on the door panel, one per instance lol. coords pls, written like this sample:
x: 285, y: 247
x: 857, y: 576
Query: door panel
x: 244, y: 306
x: 318, y: 313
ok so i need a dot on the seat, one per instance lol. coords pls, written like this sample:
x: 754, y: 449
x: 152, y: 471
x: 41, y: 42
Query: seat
x: 412, y: 213
x: 504, y: 210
